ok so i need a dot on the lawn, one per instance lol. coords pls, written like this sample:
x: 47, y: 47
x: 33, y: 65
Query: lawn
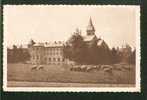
x: 62, y: 74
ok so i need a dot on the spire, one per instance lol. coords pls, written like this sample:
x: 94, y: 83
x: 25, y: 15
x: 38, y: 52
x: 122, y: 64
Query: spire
x: 90, y: 28
x: 90, y: 22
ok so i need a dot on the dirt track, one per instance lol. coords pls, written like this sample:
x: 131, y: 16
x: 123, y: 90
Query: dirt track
x: 54, y: 84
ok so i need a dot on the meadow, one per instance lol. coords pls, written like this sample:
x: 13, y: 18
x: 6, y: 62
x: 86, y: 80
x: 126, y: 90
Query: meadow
x: 62, y: 74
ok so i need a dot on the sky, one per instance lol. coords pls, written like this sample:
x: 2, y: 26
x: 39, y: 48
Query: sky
x: 117, y: 25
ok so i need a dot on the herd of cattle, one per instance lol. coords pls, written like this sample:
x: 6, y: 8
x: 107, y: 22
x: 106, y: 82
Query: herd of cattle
x: 105, y: 68
x: 91, y: 68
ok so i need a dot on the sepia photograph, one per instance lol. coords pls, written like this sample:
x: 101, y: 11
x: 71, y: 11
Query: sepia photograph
x: 73, y: 48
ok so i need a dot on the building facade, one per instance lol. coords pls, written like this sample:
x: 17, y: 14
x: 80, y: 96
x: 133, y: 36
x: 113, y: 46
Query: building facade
x: 47, y: 53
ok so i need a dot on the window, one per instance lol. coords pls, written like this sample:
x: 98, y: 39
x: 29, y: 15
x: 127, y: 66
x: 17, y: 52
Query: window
x: 37, y: 57
x: 58, y: 59
x: 63, y: 59
x: 33, y: 57
x: 36, y: 49
x: 46, y: 51
x: 60, y: 52
x: 54, y: 59
x: 49, y: 59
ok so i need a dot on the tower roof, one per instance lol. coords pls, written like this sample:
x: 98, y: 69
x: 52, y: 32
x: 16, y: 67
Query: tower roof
x: 90, y: 25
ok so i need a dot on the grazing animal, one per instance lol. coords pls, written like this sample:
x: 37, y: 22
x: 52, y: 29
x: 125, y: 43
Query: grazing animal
x: 98, y: 67
x: 108, y: 69
x: 127, y: 67
x: 91, y: 68
x: 88, y: 68
x: 94, y: 68
x: 83, y: 68
x: 40, y: 67
x: 72, y: 68
x: 34, y: 67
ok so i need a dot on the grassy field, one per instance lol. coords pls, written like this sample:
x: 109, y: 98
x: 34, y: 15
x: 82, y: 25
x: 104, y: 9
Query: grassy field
x: 58, y: 73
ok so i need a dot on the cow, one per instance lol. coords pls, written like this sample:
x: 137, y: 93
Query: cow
x: 40, y: 67
x: 34, y: 67
x: 83, y: 67
x: 107, y: 69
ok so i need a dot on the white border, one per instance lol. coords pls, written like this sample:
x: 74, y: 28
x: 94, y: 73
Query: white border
x: 78, y: 89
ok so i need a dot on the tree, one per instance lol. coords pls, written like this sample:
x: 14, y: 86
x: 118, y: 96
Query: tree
x: 126, y: 53
x: 16, y: 54
x: 102, y: 54
x: 132, y: 57
x: 91, y: 56
x: 75, y: 48
x: 23, y: 54
x: 26, y: 56
x: 114, y: 56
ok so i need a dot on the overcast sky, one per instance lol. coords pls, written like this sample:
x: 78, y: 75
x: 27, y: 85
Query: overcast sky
x: 116, y: 25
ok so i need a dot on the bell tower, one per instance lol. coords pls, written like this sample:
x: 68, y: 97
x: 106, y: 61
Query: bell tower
x: 90, y: 28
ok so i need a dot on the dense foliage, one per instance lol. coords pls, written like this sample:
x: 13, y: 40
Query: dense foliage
x: 79, y: 51
x: 17, y: 54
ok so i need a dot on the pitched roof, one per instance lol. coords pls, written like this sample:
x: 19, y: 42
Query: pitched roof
x: 88, y: 37
x: 38, y: 44
x: 99, y: 43
x: 50, y: 44
x: 102, y: 43
x: 54, y: 44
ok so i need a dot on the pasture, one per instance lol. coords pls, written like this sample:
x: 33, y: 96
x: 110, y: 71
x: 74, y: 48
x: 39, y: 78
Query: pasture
x: 63, y: 74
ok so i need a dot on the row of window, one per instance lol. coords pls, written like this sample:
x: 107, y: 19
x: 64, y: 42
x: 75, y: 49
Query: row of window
x: 48, y: 59
x: 57, y: 63
x: 54, y: 59
x: 35, y: 57
x: 53, y: 53
x: 48, y: 49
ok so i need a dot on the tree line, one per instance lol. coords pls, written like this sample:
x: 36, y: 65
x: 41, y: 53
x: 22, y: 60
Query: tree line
x: 16, y: 54
x: 77, y: 50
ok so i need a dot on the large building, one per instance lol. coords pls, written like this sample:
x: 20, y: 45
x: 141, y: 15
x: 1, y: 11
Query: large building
x: 47, y: 53
x: 52, y: 53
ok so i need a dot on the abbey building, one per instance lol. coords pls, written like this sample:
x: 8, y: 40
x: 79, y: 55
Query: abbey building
x: 52, y: 52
